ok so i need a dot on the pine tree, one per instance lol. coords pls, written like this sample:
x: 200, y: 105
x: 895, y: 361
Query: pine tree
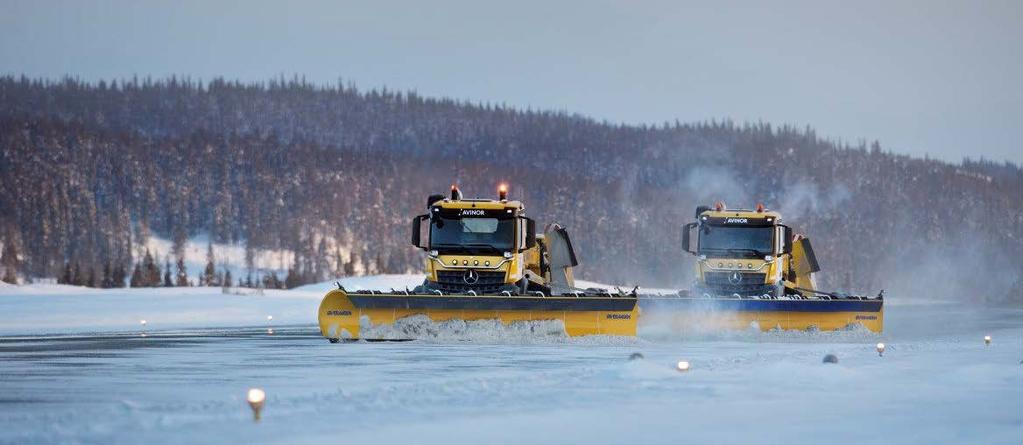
x: 227, y: 278
x: 77, y: 278
x: 136, y: 277
x: 108, y: 280
x: 10, y: 262
x: 321, y: 267
x: 66, y: 277
x: 394, y: 264
x: 271, y: 281
x: 181, y: 279
x: 150, y: 271
x: 292, y: 280
x: 350, y: 265
x: 250, y: 257
x: 9, y: 276
x: 339, y: 264
x: 209, y: 275
x: 118, y: 275
x: 167, y: 273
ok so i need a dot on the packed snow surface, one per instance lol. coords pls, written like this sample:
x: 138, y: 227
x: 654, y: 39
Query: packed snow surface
x: 76, y: 368
x: 60, y: 309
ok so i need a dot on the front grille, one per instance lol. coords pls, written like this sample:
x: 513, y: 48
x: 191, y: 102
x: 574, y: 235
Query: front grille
x: 751, y: 283
x: 452, y: 281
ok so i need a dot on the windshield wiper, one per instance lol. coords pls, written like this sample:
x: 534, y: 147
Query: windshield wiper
x: 483, y: 246
x: 755, y: 252
x: 476, y: 246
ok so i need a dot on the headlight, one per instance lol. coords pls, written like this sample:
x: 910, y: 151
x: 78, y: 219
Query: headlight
x: 749, y: 266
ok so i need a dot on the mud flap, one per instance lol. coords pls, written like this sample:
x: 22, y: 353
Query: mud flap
x: 561, y: 255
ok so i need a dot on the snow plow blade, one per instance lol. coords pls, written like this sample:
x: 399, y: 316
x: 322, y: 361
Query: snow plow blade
x: 345, y: 315
x: 694, y: 314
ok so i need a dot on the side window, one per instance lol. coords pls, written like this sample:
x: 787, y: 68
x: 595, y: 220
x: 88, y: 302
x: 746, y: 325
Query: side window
x: 520, y: 228
x: 424, y: 232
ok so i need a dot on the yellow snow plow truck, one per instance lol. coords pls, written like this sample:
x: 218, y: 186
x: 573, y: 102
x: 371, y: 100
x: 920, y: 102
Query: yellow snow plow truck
x: 484, y: 262
x: 752, y: 271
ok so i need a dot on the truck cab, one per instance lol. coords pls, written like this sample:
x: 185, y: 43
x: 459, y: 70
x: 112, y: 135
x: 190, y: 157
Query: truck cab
x: 485, y: 246
x: 748, y: 253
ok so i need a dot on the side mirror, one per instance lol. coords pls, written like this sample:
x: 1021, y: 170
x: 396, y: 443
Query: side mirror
x: 432, y: 199
x: 786, y: 240
x: 417, y: 230
x: 686, y: 239
x: 700, y: 210
x: 530, y: 233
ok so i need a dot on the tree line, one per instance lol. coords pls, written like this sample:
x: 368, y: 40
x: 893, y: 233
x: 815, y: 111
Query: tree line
x: 148, y: 273
x: 333, y: 174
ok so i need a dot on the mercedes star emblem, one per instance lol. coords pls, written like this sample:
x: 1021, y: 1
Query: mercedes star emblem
x: 735, y: 278
x: 471, y: 277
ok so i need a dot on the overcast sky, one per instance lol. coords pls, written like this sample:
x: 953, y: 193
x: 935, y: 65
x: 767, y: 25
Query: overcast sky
x: 935, y: 77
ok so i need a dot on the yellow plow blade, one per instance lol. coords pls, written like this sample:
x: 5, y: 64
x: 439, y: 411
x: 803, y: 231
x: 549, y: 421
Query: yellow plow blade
x: 344, y: 315
x: 688, y: 314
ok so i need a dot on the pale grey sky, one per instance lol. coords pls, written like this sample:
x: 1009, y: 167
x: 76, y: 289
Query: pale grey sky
x: 935, y: 77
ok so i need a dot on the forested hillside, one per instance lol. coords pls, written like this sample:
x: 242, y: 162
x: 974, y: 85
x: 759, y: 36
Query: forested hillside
x: 335, y: 174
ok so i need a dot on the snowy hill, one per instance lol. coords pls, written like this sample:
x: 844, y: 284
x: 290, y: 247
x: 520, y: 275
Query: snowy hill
x: 284, y: 166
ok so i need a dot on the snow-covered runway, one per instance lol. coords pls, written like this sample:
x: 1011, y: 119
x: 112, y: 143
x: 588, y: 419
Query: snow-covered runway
x: 187, y: 385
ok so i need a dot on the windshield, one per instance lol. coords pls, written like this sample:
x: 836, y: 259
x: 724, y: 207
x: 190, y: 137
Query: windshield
x: 736, y: 242
x: 472, y: 235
